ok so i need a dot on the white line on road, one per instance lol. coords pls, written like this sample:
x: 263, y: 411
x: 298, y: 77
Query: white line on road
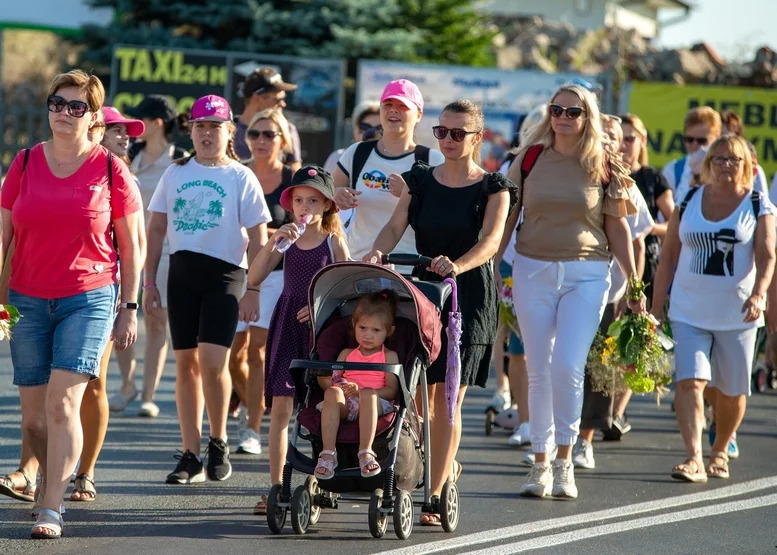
x: 636, y: 524
x: 501, y: 534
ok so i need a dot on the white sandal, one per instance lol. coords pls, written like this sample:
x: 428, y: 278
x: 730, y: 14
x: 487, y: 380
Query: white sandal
x: 325, y: 468
x: 51, y: 522
x: 367, y: 459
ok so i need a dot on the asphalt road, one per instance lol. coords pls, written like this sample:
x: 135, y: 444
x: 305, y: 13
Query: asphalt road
x: 627, y: 505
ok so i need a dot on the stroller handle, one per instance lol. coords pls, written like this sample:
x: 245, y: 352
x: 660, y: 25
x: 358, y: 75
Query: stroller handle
x: 400, y: 259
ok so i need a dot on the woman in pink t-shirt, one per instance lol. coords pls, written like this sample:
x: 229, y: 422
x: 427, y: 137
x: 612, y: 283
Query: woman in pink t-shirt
x: 62, y: 202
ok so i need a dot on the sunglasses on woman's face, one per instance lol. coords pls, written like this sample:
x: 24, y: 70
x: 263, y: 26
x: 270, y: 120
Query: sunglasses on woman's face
x: 701, y: 141
x: 457, y: 133
x: 573, y: 112
x: 364, y: 127
x: 75, y: 108
x: 267, y: 134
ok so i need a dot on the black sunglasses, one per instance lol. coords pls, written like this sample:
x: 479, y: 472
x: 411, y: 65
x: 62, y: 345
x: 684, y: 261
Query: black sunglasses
x: 75, y: 108
x: 267, y: 134
x: 457, y: 133
x: 364, y: 127
x: 687, y: 139
x: 573, y: 112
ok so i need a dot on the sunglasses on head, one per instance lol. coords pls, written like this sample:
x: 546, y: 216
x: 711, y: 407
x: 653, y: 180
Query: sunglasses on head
x: 267, y: 134
x: 573, y: 112
x: 457, y: 133
x: 75, y: 108
x: 701, y: 141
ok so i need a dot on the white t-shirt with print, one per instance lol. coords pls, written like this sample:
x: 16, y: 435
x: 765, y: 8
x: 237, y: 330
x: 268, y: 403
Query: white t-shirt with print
x: 209, y: 208
x: 376, y: 203
x: 716, y: 271
x: 640, y: 225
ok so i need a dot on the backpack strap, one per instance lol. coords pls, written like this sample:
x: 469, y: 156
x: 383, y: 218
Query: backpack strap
x: 363, y: 151
x: 26, y: 159
x: 755, y: 199
x: 287, y: 174
x: 529, y: 159
x: 687, y: 199
x: 679, y: 169
x: 422, y: 153
x: 110, y: 171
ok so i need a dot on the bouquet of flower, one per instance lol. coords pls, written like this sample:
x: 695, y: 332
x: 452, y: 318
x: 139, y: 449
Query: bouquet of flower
x: 506, y: 309
x: 9, y: 315
x: 633, y: 355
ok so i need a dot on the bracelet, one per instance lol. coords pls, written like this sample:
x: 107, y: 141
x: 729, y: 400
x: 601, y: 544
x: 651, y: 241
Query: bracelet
x: 253, y: 289
x: 149, y: 285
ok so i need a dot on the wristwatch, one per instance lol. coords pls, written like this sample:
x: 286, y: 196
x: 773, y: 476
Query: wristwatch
x: 129, y: 306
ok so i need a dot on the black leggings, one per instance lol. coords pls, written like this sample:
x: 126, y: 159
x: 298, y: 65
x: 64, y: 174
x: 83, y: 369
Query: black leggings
x: 203, y: 293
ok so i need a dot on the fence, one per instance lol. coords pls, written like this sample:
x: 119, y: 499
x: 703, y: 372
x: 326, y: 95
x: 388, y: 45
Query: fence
x: 23, y: 121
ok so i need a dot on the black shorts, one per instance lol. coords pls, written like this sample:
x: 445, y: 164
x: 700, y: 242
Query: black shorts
x: 203, y: 293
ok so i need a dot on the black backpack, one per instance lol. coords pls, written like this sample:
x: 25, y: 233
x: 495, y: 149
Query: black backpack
x: 365, y: 148
x: 755, y: 200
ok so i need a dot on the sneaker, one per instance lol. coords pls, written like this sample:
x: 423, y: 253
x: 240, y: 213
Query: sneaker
x: 539, y: 481
x: 620, y: 427
x: 250, y: 442
x: 529, y: 459
x: 149, y: 409
x: 520, y: 435
x: 733, y: 448
x: 500, y: 401
x: 219, y: 467
x: 188, y: 471
x: 564, y: 480
x: 583, y: 455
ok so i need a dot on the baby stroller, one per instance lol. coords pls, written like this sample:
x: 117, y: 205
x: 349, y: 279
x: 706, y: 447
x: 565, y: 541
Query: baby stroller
x: 401, y: 440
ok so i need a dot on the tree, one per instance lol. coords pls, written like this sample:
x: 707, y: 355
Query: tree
x: 443, y: 31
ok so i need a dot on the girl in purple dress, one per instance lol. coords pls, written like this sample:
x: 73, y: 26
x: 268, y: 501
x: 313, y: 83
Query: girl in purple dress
x: 321, y: 243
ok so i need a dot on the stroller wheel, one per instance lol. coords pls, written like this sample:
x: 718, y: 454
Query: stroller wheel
x: 490, y: 414
x: 276, y: 515
x: 300, y: 510
x: 311, y: 484
x: 449, y: 506
x: 378, y: 520
x: 403, y: 515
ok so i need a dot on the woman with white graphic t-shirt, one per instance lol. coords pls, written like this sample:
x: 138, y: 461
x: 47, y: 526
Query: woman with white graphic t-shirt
x: 401, y: 108
x: 211, y: 209
x: 719, y: 258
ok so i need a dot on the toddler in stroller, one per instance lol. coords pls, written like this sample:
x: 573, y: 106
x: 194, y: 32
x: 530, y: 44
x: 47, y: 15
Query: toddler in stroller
x: 343, y: 462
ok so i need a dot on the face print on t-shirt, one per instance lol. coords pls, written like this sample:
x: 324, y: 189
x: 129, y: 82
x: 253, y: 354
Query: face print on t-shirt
x: 199, y: 205
x: 713, y: 253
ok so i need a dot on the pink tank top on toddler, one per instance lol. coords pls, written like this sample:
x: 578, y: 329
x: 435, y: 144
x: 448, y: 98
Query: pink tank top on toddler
x: 366, y: 378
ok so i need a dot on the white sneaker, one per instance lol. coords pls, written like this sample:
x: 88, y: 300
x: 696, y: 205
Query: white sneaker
x: 149, y: 409
x: 250, y: 442
x: 500, y: 401
x: 583, y: 455
x: 564, y: 480
x: 520, y: 435
x: 529, y: 460
x: 539, y: 481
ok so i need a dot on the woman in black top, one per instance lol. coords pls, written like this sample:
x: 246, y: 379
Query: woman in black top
x: 652, y: 185
x: 268, y: 136
x: 458, y: 212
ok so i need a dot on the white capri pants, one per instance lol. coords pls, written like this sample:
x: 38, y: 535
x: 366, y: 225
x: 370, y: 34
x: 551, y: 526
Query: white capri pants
x: 269, y: 293
x: 559, y: 306
x: 723, y: 358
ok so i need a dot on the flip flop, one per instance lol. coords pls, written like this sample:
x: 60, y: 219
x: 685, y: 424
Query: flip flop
x: 261, y: 506
x: 24, y: 493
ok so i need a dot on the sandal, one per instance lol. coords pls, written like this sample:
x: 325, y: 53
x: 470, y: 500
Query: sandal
x: 50, y: 522
x: 20, y: 493
x: 261, y: 506
x: 718, y: 470
x: 430, y: 519
x: 690, y: 471
x: 325, y: 468
x: 86, y: 493
x: 368, y: 463
x: 456, y: 472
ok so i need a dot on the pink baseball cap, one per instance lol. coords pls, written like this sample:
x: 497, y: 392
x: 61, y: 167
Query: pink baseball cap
x: 406, y: 92
x: 211, y: 108
x: 135, y: 127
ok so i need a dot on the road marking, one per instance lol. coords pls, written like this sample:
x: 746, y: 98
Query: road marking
x: 636, y: 524
x: 500, y: 534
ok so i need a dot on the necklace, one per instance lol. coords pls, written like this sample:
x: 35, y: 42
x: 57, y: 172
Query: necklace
x: 212, y: 164
x: 73, y: 161
x: 386, y: 151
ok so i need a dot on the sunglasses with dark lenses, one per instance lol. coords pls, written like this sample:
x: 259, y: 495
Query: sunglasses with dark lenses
x: 372, y: 133
x: 457, y: 133
x: 364, y: 126
x: 75, y: 108
x: 701, y: 141
x: 267, y: 134
x: 573, y: 112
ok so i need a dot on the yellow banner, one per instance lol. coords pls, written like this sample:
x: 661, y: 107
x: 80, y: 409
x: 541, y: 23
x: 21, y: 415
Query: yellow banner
x: 663, y: 107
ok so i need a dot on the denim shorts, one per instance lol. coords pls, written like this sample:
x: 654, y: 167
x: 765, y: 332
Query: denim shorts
x: 64, y: 334
x: 514, y: 344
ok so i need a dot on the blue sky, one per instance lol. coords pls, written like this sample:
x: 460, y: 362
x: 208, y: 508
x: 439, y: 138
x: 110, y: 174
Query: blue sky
x: 728, y: 25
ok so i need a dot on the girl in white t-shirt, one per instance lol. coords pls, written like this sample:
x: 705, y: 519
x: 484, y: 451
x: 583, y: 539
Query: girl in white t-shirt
x: 211, y: 208
x: 719, y: 258
x: 369, y: 193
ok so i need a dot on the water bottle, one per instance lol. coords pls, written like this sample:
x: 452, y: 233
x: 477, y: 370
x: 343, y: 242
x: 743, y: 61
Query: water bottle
x: 283, y: 244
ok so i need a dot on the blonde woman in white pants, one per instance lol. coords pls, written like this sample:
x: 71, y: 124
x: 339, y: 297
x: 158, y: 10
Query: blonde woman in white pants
x: 575, y: 201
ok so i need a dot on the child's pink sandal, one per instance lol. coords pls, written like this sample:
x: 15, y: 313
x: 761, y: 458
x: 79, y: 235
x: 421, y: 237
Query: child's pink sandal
x: 325, y: 468
x: 368, y: 463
